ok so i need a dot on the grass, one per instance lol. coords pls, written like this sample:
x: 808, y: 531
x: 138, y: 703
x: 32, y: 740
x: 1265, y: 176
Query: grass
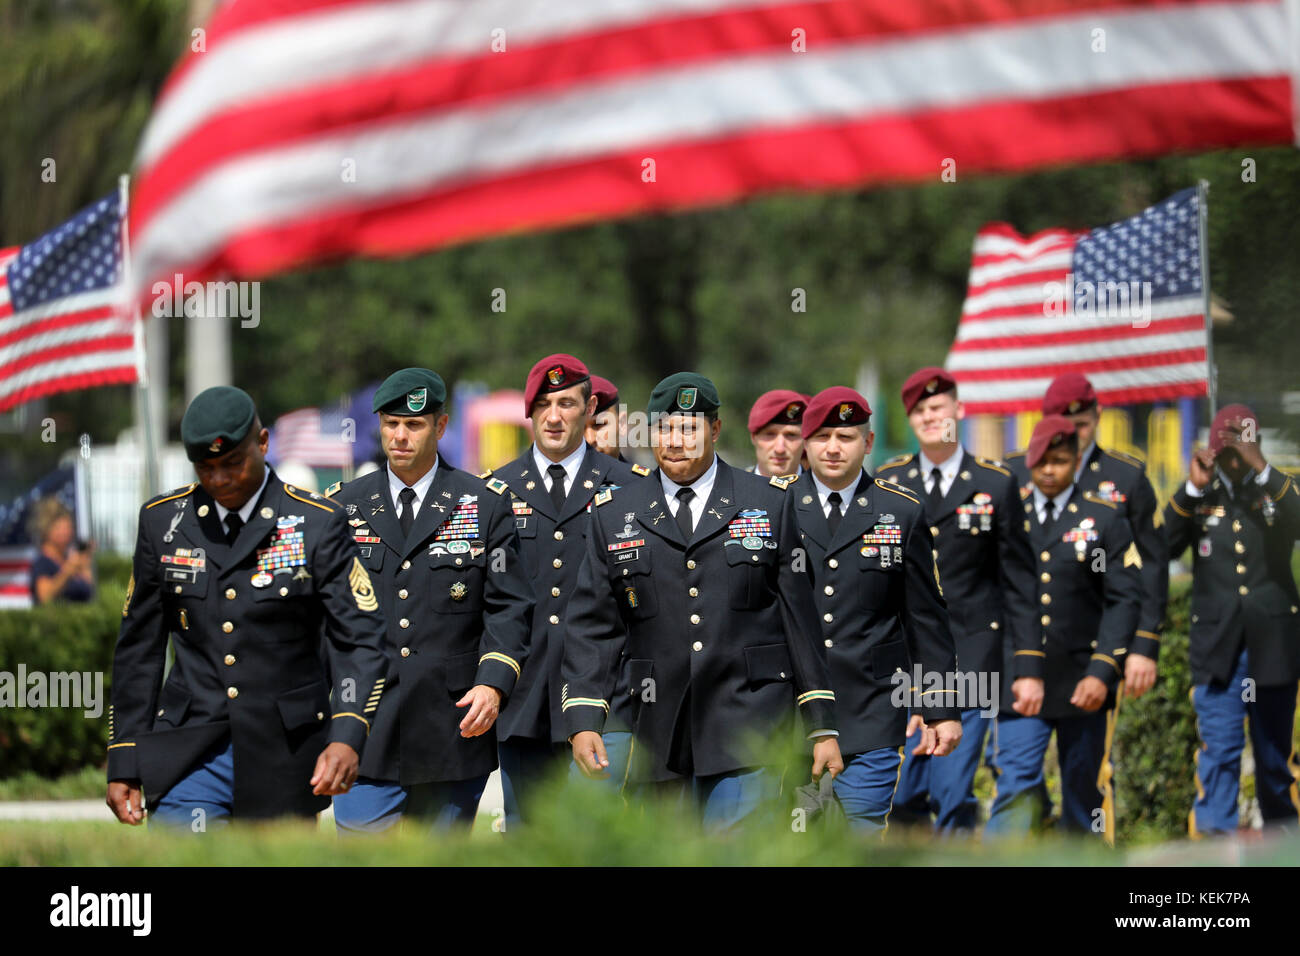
x: 82, y: 784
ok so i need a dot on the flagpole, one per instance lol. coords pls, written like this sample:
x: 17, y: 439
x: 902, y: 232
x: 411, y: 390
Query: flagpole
x: 143, y: 411
x: 1202, y: 229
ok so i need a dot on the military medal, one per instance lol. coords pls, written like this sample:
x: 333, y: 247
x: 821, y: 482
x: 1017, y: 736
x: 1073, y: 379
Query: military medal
x: 261, y: 580
x: 1203, y: 548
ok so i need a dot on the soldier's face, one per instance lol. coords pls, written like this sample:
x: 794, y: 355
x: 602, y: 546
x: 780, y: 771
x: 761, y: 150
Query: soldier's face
x: 603, y: 430
x: 231, y: 479
x: 778, y: 449
x: 1085, y: 425
x: 1055, y: 472
x: 934, y: 419
x: 411, y: 442
x: 683, y: 446
x: 836, y: 454
x: 560, y: 421
x: 1232, y: 464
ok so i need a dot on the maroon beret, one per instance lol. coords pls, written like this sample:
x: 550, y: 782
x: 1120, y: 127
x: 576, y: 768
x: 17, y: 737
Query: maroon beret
x: 1229, y: 413
x: 1049, y: 431
x: 926, y: 382
x: 1069, y: 394
x: 606, y: 392
x: 781, y: 406
x: 836, y: 407
x: 553, y: 374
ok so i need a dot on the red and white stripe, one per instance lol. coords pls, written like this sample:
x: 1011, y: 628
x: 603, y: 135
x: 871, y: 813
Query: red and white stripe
x: 297, y: 437
x: 77, y: 341
x: 15, y: 577
x: 242, y: 168
x: 1010, y: 346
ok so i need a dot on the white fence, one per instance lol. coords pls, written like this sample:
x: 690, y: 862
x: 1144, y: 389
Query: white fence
x: 111, y: 480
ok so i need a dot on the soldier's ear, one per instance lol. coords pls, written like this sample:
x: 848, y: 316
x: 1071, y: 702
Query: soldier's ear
x: 716, y: 429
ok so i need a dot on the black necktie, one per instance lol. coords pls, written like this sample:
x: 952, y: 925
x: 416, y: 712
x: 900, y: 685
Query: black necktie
x: 684, y: 522
x: 557, y: 486
x: 407, y: 517
x: 233, y: 524
x: 833, y: 519
x: 936, y: 490
x: 1049, y: 512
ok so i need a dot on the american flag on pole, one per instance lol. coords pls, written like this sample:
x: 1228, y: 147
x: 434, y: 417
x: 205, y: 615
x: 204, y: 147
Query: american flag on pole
x: 310, y: 436
x: 62, y: 326
x: 1123, y: 304
x: 308, y: 130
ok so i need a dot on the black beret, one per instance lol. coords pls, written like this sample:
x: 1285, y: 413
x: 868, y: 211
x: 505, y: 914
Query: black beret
x: 217, y: 420
x: 411, y: 391
x: 687, y: 392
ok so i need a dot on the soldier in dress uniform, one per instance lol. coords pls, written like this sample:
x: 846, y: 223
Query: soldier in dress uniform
x: 444, y: 553
x: 696, y: 569
x: 551, y: 486
x: 1067, y: 676
x: 1121, y: 480
x: 776, y: 429
x: 606, y: 427
x: 872, y: 561
x: 986, y: 564
x: 242, y: 572
x: 1242, y: 517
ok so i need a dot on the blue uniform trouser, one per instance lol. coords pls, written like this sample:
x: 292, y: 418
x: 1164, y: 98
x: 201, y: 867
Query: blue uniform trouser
x: 866, y: 787
x: 944, y: 786
x: 723, y: 801
x: 526, y: 766
x: 205, y: 797
x: 618, y: 751
x: 1021, y: 803
x: 1220, y: 712
x: 372, y: 805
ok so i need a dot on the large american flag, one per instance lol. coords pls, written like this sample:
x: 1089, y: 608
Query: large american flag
x: 313, y: 129
x: 1028, y: 317
x: 62, y: 325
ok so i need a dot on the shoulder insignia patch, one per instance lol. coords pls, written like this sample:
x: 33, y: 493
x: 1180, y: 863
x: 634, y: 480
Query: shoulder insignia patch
x: 781, y: 483
x: 991, y: 465
x: 1127, y: 459
x: 1131, y: 557
x: 333, y: 489
x: 604, y: 495
x: 897, y: 460
x: 1098, y: 499
x: 496, y: 485
x: 641, y: 470
x: 897, y: 489
x: 173, y: 495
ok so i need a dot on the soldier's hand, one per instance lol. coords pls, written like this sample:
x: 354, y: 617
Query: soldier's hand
x: 1089, y: 694
x: 948, y: 736
x: 484, y: 705
x: 126, y: 801
x: 1201, y: 468
x: 926, y: 744
x: 1028, y: 694
x: 826, y: 756
x: 589, y: 754
x: 1139, y: 674
x: 336, y: 770
x: 1248, y: 450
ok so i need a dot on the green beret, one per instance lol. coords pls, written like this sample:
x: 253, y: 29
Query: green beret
x: 411, y: 391
x: 217, y: 420
x: 684, y: 392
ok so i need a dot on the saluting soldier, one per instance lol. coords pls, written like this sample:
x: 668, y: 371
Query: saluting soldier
x: 1067, y: 676
x: 1121, y: 480
x: 1242, y: 517
x: 551, y: 486
x: 871, y: 559
x: 444, y: 553
x: 986, y: 564
x: 697, y: 570
x: 242, y: 571
x: 606, y: 427
x: 776, y: 429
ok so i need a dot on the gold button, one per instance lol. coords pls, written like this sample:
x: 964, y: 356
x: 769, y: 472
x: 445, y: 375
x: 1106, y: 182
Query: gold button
x: 555, y: 592
x: 283, y: 592
x: 230, y: 594
x: 934, y: 530
x: 1293, y: 608
x: 829, y: 590
x: 1045, y: 556
x: 1046, y: 599
x: 833, y: 563
x: 402, y: 594
x: 319, y: 715
x: 406, y: 565
x: 178, y: 589
x: 830, y: 643
x: 406, y: 652
x: 691, y: 564
x: 1243, y: 590
x: 460, y: 561
x: 695, y: 619
x: 227, y: 627
x: 1046, y: 619
x: 559, y: 536
x: 230, y: 660
x: 1239, y: 547
x: 1045, y: 577
x: 1195, y: 618
x: 557, y: 563
x: 1236, y: 525
x: 1241, y: 569
x: 993, y: 625
x: 161, y: 712
x: 404, y: 623
x: 697, y: 646
x: 828, y: 617
x: 555, y: 619
x: 232, y: 692
x: 694, y: 592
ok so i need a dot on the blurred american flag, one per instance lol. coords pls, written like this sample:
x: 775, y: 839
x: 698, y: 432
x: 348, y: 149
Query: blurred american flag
x: 312, y: 436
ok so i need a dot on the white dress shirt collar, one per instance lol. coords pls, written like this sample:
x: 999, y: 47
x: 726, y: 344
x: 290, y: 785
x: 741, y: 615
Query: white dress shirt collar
x: 421, y: 489
x: 1059, y: 503
x: 246, y: 511
x: 824, y: 492
x: 571, y: 463
x: 702, y: 486
x: 947, y: 471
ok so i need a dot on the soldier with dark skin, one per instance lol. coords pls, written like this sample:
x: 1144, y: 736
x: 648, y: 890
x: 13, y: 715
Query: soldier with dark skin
x: 245, y: 573
x: 1241, y: 517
